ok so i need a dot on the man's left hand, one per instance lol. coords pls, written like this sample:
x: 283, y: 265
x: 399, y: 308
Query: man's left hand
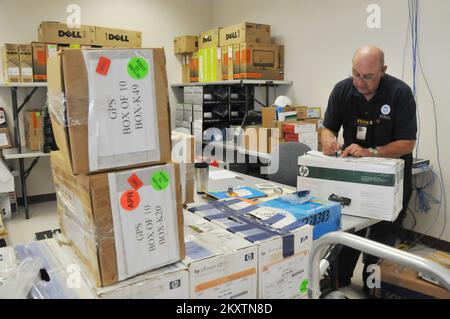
x: 356, y: 151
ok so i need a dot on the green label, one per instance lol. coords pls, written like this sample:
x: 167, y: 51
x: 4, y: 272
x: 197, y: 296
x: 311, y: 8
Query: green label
x: 138, y: 68
x: 304, y: 286
x: 160, y: 180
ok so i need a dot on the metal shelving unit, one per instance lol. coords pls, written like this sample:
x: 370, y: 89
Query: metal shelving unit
x: 255, y: 83
x: 21, y: 152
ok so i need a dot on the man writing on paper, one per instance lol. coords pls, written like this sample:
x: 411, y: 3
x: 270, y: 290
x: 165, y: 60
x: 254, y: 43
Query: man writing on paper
x: 378, y: 115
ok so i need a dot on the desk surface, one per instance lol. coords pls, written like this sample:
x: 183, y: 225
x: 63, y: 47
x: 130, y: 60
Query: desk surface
x: 349, y: 223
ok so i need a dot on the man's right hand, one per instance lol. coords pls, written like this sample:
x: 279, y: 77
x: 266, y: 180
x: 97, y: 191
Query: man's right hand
x: 330, y: 145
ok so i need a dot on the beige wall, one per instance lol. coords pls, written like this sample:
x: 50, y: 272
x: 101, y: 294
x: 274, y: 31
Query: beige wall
x: 320, y: 38
x: 159, y: 20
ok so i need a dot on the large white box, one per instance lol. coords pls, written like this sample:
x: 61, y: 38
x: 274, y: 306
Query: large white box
x: 169, y: 282
x: 373, y: 185
x: 221, y: 264
x: 283, y: 255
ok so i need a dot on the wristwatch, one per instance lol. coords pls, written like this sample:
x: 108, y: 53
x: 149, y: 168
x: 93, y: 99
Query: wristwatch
x: 374, y: 152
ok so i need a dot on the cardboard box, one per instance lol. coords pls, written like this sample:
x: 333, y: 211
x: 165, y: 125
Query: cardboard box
x: 121, y: 224
x: 183, y: 153
x: 374, y: 185
x: 221, y: 264
x: 117, y: 38
x: 40, y: 61
x: 185, y: 44
x: 185, y: 68
x: 231, y: 62
x: 209, y: 39
x: 269, y: 115
x: 210, y: 67
x: 245, y: 32
x: 52, y: 49
x: 55, y: 32
x: 261, y: 139
x: 11, y: 62
x: 133, y: 130
x: 282, y: 256
x: 5, y: 139
x: 26, y: 63
x: 34, y: 130
x: 169, y: 282
x: 398, y: 282
x: 307, y: 112
x: 262, y: 61
x: 193, y: 68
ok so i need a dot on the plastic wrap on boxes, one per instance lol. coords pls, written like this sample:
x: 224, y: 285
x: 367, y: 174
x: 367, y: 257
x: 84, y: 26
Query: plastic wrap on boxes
x: 121, y: 224
x: 53, y: 281
x: 109, y: 107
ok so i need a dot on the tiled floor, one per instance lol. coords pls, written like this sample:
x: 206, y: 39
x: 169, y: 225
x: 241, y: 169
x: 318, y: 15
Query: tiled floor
x: 22, y: 231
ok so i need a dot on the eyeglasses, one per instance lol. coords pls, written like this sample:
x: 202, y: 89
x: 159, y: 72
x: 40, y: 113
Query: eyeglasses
x: 365, y: 77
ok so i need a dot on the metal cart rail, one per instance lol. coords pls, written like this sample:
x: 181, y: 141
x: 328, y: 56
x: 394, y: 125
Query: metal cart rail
x: 373, y: 248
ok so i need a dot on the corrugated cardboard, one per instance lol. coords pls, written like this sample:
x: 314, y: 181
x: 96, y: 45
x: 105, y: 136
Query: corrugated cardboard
x: 398, y: 282
x: 193, y: 68
x: 68, y: 75
x: 231, y: 62
x: 185, y: 44
x: 209, y: 39
x: 183, y: 153
x: 11, y: 62
x: 34, y: 133
x: 55, y: 32
x: 221, y: 264
x: 210, y: 64
x: 308, y: 112
x: 40, y: 61
x: 262, y: 61
x: 245, y: 32
x: 86, y: 217
x: 269, y: 115
x: 117, y: 38
x: 26, y: 63
x: 185, y: 68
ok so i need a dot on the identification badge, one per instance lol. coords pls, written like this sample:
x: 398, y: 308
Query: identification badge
x: 361, y: 133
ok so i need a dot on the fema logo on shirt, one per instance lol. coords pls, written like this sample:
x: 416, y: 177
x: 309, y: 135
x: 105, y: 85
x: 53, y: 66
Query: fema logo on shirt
x: 385, y: 109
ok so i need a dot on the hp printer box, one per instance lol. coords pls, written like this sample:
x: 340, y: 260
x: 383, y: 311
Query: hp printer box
x: 366, y: 187
x: 221, y: 264
x: 283, y: 255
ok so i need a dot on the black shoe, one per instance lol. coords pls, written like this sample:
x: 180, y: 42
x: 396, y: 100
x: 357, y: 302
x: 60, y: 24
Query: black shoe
x: 327, y: 283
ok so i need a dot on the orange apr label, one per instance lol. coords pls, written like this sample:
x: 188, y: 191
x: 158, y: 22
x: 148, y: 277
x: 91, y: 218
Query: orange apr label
x: 130, y: 200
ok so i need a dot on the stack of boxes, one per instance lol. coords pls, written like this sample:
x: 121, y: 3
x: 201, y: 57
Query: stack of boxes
x: 187, y: 46
x: 282, y: 253
x: 293, y: 124
x: 28, y: 62
x: 241, y: 51
x: 119, y: 194
x: 247, y: 53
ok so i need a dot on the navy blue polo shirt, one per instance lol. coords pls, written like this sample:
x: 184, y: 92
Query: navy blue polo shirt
x: 389, y: 116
